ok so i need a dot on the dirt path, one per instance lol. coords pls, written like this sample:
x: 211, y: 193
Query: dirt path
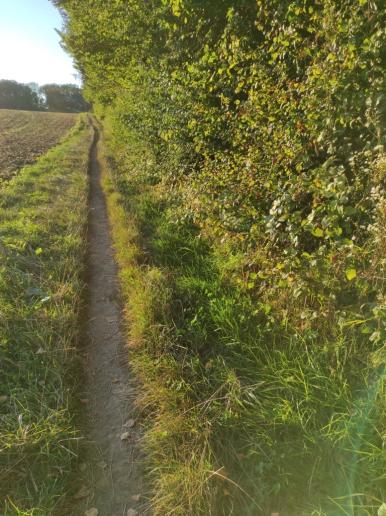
x: 117, y: 472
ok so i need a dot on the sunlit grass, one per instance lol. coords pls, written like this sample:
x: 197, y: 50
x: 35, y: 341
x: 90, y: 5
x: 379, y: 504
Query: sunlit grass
x: 43, y: 213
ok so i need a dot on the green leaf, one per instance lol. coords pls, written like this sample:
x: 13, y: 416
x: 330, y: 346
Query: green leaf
x: 338, y: 231
x: 351, y: 274
x: 318, y: 232
x: 382, y: 510
x: 176, y: 7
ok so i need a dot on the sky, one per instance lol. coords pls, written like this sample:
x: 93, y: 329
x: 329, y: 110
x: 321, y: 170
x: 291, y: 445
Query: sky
x: 30, y: 48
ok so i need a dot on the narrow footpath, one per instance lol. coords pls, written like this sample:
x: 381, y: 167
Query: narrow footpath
x: 116, y: 483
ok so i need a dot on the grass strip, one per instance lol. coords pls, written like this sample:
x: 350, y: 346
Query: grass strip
x: 43, y: 215
x: 241, y: 407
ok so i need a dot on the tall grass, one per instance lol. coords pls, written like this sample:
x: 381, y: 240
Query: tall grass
x: 43, y: 213
x: 254, y: 408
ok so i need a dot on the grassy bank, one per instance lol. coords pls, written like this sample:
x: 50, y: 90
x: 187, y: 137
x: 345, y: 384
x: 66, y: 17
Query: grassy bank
x: 259, y: 401
x: 43, y: 213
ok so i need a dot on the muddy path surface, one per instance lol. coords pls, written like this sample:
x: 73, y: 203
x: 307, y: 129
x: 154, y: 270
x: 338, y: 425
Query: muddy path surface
x: 116, y: 463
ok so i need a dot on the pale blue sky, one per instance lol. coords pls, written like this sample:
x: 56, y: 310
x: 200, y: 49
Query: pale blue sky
x: 30, y: 47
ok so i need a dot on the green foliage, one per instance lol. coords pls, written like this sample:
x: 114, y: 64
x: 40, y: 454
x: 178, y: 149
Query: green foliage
x: 43, y: 215
x: 64, y: 98
x: 14, y: 95
x: 248, y: 144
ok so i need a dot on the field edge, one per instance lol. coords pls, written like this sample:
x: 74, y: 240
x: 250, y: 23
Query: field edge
x: 43, y: 213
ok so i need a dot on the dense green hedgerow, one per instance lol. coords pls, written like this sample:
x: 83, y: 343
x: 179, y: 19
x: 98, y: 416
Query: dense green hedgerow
x: 247, y: 143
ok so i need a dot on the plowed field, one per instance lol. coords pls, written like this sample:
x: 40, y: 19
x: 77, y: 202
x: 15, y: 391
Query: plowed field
x: 26, y: 135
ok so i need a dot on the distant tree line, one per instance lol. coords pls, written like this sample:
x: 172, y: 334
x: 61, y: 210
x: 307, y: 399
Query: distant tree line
x: 67, y: 98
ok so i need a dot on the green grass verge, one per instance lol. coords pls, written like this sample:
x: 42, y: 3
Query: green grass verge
x: 248, y: 414
x: 43, y: 215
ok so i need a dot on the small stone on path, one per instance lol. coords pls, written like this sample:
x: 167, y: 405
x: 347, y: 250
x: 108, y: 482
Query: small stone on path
x: 91, y: 512
x: 130, y: 423
x: 82, y: 493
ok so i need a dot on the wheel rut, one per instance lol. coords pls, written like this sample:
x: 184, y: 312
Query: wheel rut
x: 115, y: 465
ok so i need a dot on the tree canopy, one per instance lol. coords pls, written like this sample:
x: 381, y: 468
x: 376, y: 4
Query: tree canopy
x: 18, y: 96
x: 50, y: 97
x: 64, y: 98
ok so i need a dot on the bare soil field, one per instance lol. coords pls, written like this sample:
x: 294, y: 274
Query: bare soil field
x: 26, y: 135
